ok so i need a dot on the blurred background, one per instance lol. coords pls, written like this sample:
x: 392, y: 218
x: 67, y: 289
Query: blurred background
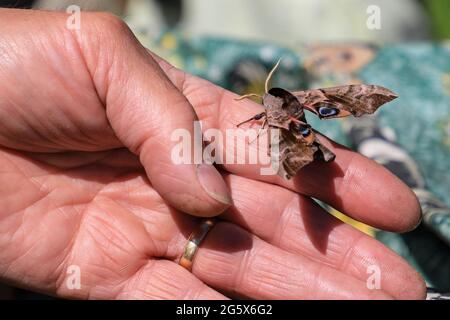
x: 285, y: 21
x: 400, y: 44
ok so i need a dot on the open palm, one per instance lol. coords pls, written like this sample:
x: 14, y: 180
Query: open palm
x: 84, y: 184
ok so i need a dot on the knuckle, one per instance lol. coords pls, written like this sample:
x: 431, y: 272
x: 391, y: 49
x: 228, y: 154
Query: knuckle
x: 109, y: 22
x: 106, y: 28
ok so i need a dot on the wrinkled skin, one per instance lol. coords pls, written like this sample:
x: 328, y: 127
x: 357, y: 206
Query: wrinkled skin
x: 86, y: 181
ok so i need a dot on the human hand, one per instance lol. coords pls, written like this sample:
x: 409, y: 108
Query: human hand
x: 85, y: 182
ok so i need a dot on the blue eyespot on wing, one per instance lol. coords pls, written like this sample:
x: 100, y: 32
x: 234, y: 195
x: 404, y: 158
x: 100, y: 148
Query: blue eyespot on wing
x: 305, y: 131
x: 325, y: 110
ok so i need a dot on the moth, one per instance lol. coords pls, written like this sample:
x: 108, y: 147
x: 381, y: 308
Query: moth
x: 298, y: 143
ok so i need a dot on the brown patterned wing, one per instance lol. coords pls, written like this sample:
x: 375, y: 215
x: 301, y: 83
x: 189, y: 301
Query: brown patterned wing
x: 295, y: 149
x: 290, y: 154
x: 323, y: 153
x: 342, y: 101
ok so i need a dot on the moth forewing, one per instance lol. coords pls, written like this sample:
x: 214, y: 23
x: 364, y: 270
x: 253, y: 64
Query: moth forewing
x: 342, y: 101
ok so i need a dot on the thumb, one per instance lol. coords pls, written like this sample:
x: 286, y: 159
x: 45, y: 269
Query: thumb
x: 144, y: 108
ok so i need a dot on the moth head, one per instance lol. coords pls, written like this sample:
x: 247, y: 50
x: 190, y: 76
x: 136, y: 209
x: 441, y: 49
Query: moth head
x: 305, y: 132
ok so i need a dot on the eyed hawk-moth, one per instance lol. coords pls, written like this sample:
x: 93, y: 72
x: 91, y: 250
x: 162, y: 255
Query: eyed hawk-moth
x: 298, y: 143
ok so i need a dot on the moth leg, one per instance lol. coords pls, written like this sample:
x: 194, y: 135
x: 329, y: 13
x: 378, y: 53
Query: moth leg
x: 259, y: 131
x: 245, y: 96
x: 256, y: 117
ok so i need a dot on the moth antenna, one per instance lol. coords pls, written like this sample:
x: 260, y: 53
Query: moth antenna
x: 266, y: 85
x: 248, y: 96
x: 259, y: 131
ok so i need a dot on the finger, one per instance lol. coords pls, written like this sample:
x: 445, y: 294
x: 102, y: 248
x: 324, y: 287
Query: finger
x: 352, y: 183
x: 145, y: 109
x: 232, y: 260
x: 172, y: 229
x: 165, y: 280
x: 115, y: 158
x: 298, y: 225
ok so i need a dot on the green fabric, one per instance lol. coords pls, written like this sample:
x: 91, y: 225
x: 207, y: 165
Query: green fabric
x: 420, y: 117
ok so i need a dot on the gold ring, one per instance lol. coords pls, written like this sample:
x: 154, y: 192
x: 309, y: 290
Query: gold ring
x: 194, y: 241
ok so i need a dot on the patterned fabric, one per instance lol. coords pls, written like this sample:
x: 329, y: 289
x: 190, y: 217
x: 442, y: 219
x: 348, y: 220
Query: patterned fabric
x: 433, y: 295
x: 411, y: 136
x: 428, y: 247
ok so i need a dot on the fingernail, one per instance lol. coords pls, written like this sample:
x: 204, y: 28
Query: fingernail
x: 212, y: 182
x: 420, y: 221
